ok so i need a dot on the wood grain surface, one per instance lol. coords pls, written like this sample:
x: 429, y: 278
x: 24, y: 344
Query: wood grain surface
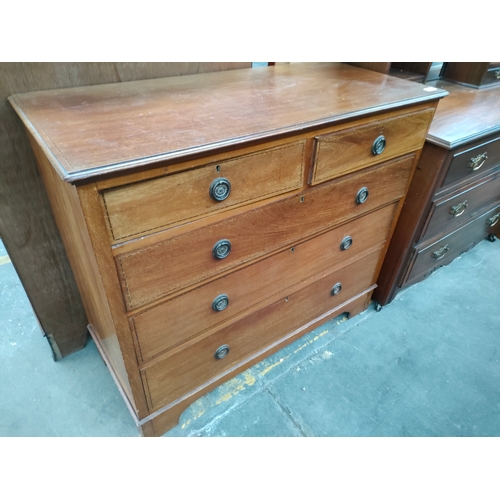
x: 165, y: 326
x: 149, y: 206
x: 351, y: 149
x: 177, y: 375
x: 27, y: 226
x: 465, y: 115
x: 110, y: 128
x: 450, y: 246
x: 460, y: 205
x: 483, y: 155
x: 164, y: 265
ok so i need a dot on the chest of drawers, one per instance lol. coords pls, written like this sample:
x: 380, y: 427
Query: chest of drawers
x: 212, y: 219
x: 454, y: 198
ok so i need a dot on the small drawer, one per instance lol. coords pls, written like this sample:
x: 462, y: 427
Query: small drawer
x: 454, y: 209
x: 358, y: 147
x: 155, y: 270
x: 432, y: 254
x: 164, y: 326
x: 149, y: 206
x: 187, y: 369
x: 469, y: 161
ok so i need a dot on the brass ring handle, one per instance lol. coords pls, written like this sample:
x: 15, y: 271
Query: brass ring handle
x: 346, y: 243
x: 378, y: 145
x: 220, y: 189
x: 362, y: 195
x: 222, y: 352
x: 336, y: 289
x: 459, y: 209
x: 221, y: 249
x: 220, y: 302
x: 439, y: 254
x: 493, y: 220
x: 477, y: 162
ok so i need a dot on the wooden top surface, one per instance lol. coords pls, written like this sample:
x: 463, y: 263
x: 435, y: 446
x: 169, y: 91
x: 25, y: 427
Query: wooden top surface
x: 465, y: 115
x: 102, y: 129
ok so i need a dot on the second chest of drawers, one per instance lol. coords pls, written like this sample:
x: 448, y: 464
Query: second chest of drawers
x: 454, y: 199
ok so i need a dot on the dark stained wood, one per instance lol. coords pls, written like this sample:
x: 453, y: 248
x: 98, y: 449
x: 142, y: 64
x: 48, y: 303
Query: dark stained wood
x: 379, y: 67
x: 164, y: 266
x: 450, y: 246
x: 487, y: 152
x: 465, y: 115
x: 27, y: 226
x: 421, y: 68
x: 113, y: 128
x: 410, y: 222
x: 414, y: 71
x: 476, y: 74
x: 165, y: 326
x: 458, y: 206
x: 468, y: 122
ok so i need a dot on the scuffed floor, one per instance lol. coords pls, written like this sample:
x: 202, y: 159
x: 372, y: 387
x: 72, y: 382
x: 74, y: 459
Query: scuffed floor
x: 426, y: 365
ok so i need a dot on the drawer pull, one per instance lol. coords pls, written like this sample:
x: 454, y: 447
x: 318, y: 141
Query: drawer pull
x: 493, y: 220
x: 362, y: 195
x: 222, y: 351
x: 220, y: 302
x: 378, y: 145
x: 220, y: 189
x: 477, y: 162
x: 221, y: 249
x: 439, y: 254
x: 336, y: 288
x: 459, y: 209
x: 346, y: 243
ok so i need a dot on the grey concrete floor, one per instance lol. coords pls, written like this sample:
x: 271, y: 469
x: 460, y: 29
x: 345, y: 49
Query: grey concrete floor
x: 428, y: 364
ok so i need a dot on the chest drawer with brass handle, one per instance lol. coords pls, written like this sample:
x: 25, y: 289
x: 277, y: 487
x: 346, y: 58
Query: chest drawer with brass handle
x: 199, y: 245
x: 456, y: 182
x: 455, y: 207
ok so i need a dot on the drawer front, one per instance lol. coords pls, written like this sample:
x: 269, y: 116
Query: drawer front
x: 478, y: 159
x: 355, y: 148
x: 152, y: 205
x: 157, y: 270
x: 183, y: 317
x: 431, y: 255
x: 186, y: 370
x: 452, y: 210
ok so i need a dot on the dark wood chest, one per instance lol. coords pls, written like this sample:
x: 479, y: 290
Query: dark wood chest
x: 454, y: 199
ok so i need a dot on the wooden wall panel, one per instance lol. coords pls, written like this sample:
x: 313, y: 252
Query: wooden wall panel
x: 27, y: 226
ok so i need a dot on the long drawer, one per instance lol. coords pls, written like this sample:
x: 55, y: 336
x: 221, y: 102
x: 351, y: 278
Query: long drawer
x: 183, y: 317
x: 360, y: 146
x: 183, y: 371
x: 469, y: 161
x: 154, y: 271
x: 456, y: 207
x: 152, y: 205
x: 440, y: 251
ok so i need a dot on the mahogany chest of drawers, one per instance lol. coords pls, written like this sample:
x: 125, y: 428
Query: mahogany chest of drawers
x: 212, y: 219
x: 454, y: 198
